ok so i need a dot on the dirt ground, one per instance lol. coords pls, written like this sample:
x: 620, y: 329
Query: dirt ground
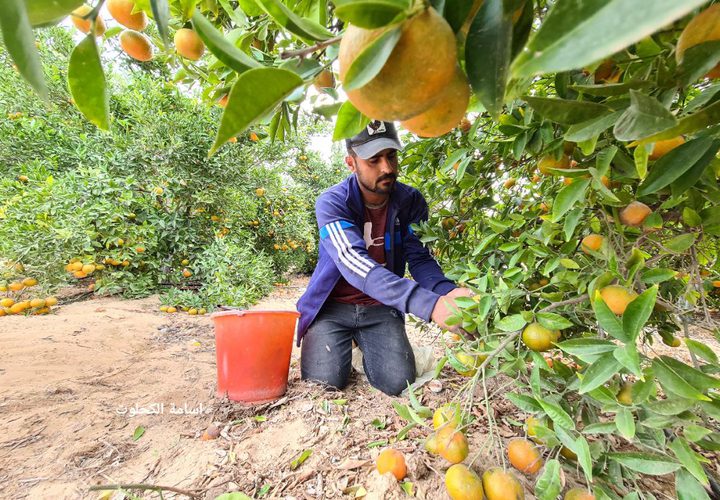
x: 78, y: 386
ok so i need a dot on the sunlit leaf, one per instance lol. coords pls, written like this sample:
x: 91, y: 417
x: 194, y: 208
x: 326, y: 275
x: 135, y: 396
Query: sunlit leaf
x: 87, y: 83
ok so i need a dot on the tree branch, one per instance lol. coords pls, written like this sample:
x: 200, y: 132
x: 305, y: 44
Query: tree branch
x: 309, y: 50
x: 576, y: 300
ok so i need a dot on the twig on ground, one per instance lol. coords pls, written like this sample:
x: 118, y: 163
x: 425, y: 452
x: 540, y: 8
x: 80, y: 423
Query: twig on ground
x: 141, y: 486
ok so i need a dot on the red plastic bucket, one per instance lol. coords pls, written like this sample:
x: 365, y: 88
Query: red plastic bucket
x: 253, y: 353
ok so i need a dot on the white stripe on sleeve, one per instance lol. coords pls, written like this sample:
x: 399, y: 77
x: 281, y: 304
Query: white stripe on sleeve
x: 342, y: 253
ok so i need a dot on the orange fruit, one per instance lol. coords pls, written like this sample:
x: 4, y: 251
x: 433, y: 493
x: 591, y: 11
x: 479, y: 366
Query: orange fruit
x: 80, y: 275
x: 672, y: 341
x: 29, y: 282
x: 51, y: 301
x: 634, y: 214
x: 16, y: 286
x: 222, y: 102
x: 524, y: 456
x: 171, y: 309
x: 578, y: 494
x: 449, y: 414
x: 607, y: 72
x: 88, y: 269
x: 192, y: 311
x: 704, y: 27
x: 617, y: 298
x: 431, y: 444
x: 465, y: 125
x: 413, y: 76
x: 163, y: 308
x: 185, y: 262
x: 462, y: 483
x: 532, y: 424
x: 471, y: 361
x: 509, y: 183
x: 186, y: 272
x: 452, y: 444
x: 538, y: 338
x: 254, y: 137
x: 391, y: 460
x: 259, y: 192
x: 3, y: 313
x: 188, y: 44
x: 592, y: 242
x: 661, y: 148
x: 17, y: 308
x: 446, y: 113
x: 139, y: 249
x: 716, y: 283
x: 37, y: 303
x: 501, y: 485
x: 548, y: 162
x: 76, y: 266
x: 6, y: 302
x: 78, y: 19
x: 324, y: 80
x: 137, y: 46
x: 201, y: 311
x: 122, y: 12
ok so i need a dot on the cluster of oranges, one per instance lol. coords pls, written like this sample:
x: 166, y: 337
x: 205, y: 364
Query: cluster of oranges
x: 192, y: 311
x: 134, y: 43
x: 18, y: 299
x: 286, y: 247
x: 82, y: 270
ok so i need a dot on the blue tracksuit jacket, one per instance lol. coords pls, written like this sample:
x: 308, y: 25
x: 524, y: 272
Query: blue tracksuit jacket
x: 342, y: 251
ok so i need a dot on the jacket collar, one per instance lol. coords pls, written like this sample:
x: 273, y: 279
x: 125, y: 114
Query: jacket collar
x: 353, y: 198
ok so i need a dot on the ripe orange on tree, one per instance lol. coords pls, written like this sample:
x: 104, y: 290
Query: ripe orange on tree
x: 661, y: 148
x: 84, y: 25
x: 578, y: 494
x: 452, y: 444
x: 635, y: 214
x: 446, y: 113
x: 548, y: 162
x: 188, y: 44
x: 393, y: 461
x: 538, y: 338
x: 462, y: 483
x: 413, y: 76
x: 524, y: 456
x: 137, y: 46
x: 501, y: 485
x: 449, y: 414
x: 122, y: 12
x: 324, y: 80
x: 705, y: 27
x: 617, y: 298
x: 592, y: 242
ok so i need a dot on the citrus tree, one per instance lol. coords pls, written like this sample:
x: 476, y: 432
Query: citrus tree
x: 569, y: 152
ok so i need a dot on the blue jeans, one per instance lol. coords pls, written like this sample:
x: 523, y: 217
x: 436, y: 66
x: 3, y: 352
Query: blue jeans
x: 379, y: 331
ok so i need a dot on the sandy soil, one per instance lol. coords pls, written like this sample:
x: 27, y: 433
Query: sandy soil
x: 76, y: 386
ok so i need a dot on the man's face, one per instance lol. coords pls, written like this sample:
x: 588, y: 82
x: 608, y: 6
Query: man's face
x: 378, y: 173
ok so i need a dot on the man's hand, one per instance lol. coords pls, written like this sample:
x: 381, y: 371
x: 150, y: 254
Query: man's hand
x: 445, y: 307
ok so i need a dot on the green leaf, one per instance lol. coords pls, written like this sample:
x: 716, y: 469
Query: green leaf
x: 638, y: 312
x: 702, y: 351
x: 299, y: 26
x: 559, y: 416
x: 600, y: 428
x: 688, y: 488
x: 587, y: 349
x: 641, y: 157
x: 87, y: 83
x: 644, y: 117
x: 571, y: 221
x: 607, y: 319
x: 349, y: 122
x: 694, y: 433
x: 255, y: 94
x: 564, y: 111
x: 582, y: 450
x: 625, y: 423
x: 407, y: 487
x: 674, y: 382
x: 657, y: 275
x: 629, y: 358
x: 370, y: 14
x: 701, y: 381
x: 524, y: 402
x: 691, y: 218
x: 645, y: 463
x: 138, y: 433
x: 599, y: 372
x: 568, y: 37
x: 671, y: 406
x: 49, y: 12
x: 680, y: 243
x: 20, y: 44
x: 511, y: 323
x: 552, y: 321
x: 586, y: 130
x: 161, y: 14
x: 611, y: 89
x: 487, y: 54
x: 697, y: 61
x: 298, y: 461
x: 677, y: 162
x: 696, y: 171
x: 569, y: 264
x: 689, y: 460
x: 372, y: 59
x: 568, y: 196
x: 548, y: 485
x: 455, y: 12
x: 235, y: 495
x: 250, y: 8
x: 223, y: 49
x: 689, y: 124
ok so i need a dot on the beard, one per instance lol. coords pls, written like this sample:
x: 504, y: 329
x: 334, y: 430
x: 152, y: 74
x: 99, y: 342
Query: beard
x: 379, y: 186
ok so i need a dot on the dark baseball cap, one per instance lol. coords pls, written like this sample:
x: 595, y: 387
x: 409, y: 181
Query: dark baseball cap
x: 375, y: 137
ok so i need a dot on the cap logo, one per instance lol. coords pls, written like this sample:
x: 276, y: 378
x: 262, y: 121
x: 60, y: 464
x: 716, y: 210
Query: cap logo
x: 376, y: 127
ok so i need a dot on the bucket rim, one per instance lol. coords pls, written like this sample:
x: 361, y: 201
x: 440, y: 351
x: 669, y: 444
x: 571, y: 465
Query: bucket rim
x: 244, y: 312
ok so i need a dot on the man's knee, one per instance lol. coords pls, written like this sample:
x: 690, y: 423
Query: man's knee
x: 394, y: 381
x: 333, y: 378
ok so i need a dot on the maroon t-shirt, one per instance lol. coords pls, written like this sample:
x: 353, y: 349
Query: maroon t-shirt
x: 374, y: 236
